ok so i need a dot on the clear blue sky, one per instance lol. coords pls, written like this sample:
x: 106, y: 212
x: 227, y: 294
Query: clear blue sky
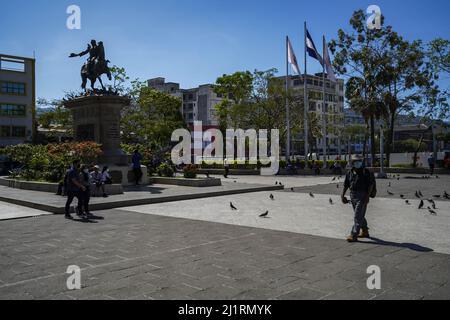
x: 191, y: 41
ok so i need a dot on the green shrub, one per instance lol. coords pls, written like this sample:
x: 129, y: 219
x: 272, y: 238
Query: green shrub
x: 165, y: 170
x: 50, y: 162
x: 190, y: 171
x: 403, y: 165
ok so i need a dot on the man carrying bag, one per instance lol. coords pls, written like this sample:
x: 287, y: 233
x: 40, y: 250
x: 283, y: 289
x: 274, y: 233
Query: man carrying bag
x: 362, y: 185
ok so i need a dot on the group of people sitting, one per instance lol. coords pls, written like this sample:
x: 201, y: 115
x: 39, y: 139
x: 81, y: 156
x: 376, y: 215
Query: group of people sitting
x: 78, y: 183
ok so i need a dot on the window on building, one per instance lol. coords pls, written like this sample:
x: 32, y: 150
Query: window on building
x: 12, y: 64
x: 12, y: 110
x: 12, y: 88
x: 5, y: 131
x: 18, y: 132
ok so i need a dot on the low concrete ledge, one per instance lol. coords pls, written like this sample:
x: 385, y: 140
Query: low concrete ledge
x: 29, y: 185
x: 198, y: 183
x: 111, y: 189
x: 424, y: 171
x: 234, y: 172
x: 56, y: 206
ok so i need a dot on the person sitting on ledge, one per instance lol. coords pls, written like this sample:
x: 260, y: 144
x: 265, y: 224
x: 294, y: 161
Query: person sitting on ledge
x: 98, y: 179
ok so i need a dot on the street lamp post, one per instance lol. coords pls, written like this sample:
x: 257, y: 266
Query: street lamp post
x: 435, y: 151
x: 382, y: 174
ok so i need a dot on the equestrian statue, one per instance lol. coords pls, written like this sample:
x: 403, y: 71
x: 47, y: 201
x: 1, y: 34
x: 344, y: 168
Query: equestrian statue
x: 95, y: 66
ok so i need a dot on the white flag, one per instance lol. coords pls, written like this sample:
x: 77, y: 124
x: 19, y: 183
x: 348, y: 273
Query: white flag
x: 328, y: 64
x: 292, y: 59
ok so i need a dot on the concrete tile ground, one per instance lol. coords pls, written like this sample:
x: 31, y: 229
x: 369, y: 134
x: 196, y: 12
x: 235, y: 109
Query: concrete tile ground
x: 180, y: 251
x: 130, y: 255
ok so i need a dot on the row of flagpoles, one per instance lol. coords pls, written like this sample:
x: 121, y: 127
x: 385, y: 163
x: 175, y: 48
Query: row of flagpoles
x: 325, y: 61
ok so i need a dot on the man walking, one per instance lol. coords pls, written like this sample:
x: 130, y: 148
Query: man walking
x: 432, y: 164
x: 75, y: 189
x: 137, y: 158
x: 362, y: 185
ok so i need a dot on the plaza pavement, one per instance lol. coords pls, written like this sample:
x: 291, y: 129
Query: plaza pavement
x: 200, y: 249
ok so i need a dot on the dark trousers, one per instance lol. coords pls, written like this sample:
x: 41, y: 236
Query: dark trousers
x: 227, y: 172
x: 359, y: 202
x: 86, y: 195
x: 432, y: 169
x: 70, y: 196
x: 137, y: 174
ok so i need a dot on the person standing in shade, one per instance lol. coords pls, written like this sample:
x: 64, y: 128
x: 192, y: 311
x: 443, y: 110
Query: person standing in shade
x: 137, y: 158
x: 86, y: 181
x: 362, y: 185
x: 74, y: 189
x: 432, y: 164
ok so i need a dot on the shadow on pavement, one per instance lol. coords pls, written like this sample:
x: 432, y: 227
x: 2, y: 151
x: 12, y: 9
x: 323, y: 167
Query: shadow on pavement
x: 410, y: 246
x: 143, y: 188
x: 80, y: 220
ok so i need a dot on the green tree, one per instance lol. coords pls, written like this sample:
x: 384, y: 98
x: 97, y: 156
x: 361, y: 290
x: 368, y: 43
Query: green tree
x: 152, y: 120
x: 119, y: 78
x: 359, y: 56
x: 258, y: 100
x: 53, y: 115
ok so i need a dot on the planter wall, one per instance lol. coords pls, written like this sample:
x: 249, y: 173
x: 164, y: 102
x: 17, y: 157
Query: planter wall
x: 234, y: 172
x: 112, y: 189
x: 199, y: 183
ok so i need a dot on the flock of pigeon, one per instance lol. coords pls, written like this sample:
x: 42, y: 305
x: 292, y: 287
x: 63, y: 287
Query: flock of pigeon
x: 431, y: 209
x: 419, y: 195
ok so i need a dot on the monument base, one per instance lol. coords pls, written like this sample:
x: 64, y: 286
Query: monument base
x: 97, y: 119
x: 124, y: 175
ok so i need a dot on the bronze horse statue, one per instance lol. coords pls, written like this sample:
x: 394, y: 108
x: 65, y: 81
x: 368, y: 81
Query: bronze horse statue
x: 95, y: 66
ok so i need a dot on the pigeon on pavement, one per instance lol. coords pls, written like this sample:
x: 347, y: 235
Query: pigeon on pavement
x: 264, y: 215
x: 232, y: 206
x: 421, y: 205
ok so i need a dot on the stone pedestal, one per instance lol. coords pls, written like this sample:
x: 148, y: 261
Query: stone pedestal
x: 97, y: 119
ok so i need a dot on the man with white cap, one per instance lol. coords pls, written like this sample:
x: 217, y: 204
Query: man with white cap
x: 362, y: 185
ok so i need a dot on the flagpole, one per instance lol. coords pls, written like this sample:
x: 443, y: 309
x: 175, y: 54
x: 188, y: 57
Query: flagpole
x: 324, y: 110
x: 288, y: 120
x: 305, y: 100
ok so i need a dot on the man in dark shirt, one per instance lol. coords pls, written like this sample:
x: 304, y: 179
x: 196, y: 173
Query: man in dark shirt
x: 432, y: 164
x: 137, y: 158
x: 362, y: 185
x: 74, y: 189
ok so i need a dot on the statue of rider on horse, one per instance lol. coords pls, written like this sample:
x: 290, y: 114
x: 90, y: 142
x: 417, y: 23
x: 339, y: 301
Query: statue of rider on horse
x: 95, y: 66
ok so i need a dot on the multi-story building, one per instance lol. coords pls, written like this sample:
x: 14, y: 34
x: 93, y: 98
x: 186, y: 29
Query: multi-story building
x: 198, y: 104
x: 17, y: 100
x: 330, y: 116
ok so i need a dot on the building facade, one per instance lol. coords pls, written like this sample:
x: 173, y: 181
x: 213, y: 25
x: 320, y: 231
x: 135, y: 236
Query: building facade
x: 198, y: 104
x: 17, y: 100
x: 330, y: 115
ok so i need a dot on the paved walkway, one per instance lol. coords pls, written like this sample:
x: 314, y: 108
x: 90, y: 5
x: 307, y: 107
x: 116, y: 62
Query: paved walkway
x: 201, y: 249
x: 133, y: 196
x: 390, y: 220
x: 135, y: 256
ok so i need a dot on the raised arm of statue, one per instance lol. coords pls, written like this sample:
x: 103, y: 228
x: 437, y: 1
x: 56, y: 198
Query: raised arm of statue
x: 73, y: 55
